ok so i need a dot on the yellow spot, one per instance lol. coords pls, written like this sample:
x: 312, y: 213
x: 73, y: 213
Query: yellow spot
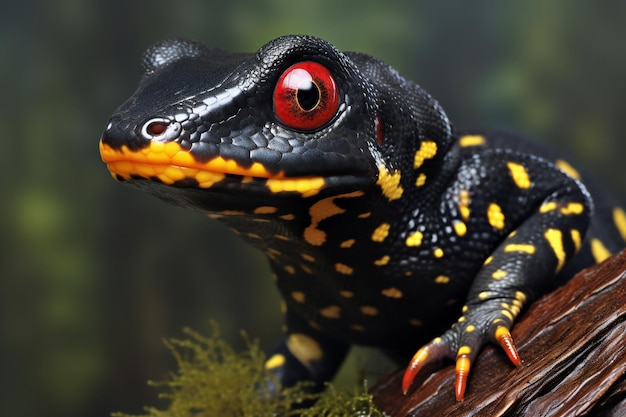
x: 392, y: 293
x: 346, y: 293
x: 290, y: 269
x: 389, y: 183
x: 555, y: 240
x: 253, y: 235
x: 460, y: 228
x: 517, y: 247
x: 265, y: 210
x: 304, y: 348
x: 464, y: 350
x: 414, y: 239
x: 307, y: 257
x: 442, y: 279
x: 495, y: 216
x: 382, y: 261
x: 381, y: 232
x: 288, y: 217
x: 471, y: 140
x: 488, y: 260
x: 275, y: 361
x: 438, y: 253
x: 416, y: 322
x: 282, y: 237
x: 343, y: 269
x: 599, y: 251
x: 421, y: 180
x: 322, y: 210
x: 306, y: 186
x: 500, y: 332
x: 364, y: 215
x: 369, y: 310
x: 572, y: 208
x: 470, y: 328
x: 427, y: 150
x: 567, y: 168
x: 520, y: 296
x: 347, y: 243
x: 298, y: 296
x: 547, y: 207
x: 461, y: 319
x: 483, y: 295
x: 619, y: 218
x: 499, y: 274
x: 507, y: 314
x: 464, y: 202
x: 331, y: 312
x: 464, y: 309
x: 519, y: 174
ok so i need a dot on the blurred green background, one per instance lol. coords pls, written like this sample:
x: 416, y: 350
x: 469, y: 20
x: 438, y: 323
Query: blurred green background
x: 93, y: 274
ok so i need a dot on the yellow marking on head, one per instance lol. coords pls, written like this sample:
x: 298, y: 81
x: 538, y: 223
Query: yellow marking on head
x: 381, y: 232
x: 331, y: 312
x: 442, y: 279
x: 265, y: 210
x: 389, y: 183
x: 499, y: 274
x: 464, y: 202
x: 427, y: 150
x: 619, y: 218
x: 290, y: 269
x: 277, y: 360
x: 520, y: 247
x: 421, y: 180
x: 460, y: 228
x: 470, y: 328
x: 307, y: 257
x: 298, y: 296
x: 567, y: 168
x: 347, y: 243
x: 346, y: 293
x: 304, y: 348
x: 382, y: 261
x: 495, y: 216
x: 369, y: 310
x: 414, y: 239
x: 519, y: 175
x: 464, y: 350
x: 438, y: 253
x: 392, y: 293
x: 416, y: 322
x: 572, y: 208
x: 599, y: 251
x: 322, y: 210
x: 471, y: 140
x: 343, y: 269
x: 547, y: 207
x: 306, y: 186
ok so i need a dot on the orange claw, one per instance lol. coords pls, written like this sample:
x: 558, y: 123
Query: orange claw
x: 506, y: 342
x: 463, y: 365
x: 419, y: 359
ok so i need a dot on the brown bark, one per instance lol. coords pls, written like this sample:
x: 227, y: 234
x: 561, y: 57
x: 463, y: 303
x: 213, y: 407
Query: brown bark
x: 573, y: 347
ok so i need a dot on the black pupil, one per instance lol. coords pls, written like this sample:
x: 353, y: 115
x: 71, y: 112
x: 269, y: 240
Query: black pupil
x: 308, y: 96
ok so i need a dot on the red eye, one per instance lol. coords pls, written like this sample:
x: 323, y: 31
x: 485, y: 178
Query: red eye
x: 306, y: 96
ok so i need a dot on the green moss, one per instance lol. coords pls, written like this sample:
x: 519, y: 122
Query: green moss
x: 214, y: 380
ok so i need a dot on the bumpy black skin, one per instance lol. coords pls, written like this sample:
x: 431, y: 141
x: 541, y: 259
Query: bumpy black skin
x: 343, y: 258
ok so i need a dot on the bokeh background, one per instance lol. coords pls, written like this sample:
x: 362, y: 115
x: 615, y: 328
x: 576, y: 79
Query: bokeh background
x: 94, y: 274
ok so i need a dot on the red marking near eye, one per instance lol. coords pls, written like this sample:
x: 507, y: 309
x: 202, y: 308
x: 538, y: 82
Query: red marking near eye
x: 306, y: 96
x: 380, y: 132
x: 156, y: 128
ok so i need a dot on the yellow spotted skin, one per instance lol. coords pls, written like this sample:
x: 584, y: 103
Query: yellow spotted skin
x: 382, y: 224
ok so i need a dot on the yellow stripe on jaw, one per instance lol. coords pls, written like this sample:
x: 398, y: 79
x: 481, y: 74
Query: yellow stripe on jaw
x: 169, y: 162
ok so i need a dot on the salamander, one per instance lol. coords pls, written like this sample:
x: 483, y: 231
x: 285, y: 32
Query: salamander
x: 383, y: 224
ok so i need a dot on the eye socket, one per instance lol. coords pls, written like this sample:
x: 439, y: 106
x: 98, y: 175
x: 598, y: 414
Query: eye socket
x: 306, y: 96
x: 160, y: 129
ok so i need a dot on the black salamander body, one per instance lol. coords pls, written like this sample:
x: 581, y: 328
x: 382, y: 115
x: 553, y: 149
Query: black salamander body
x: 383, y: 224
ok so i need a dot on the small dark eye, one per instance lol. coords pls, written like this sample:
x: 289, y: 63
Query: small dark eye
x: 156, y: 128
x: 306, y: 96
x: 160, y: 129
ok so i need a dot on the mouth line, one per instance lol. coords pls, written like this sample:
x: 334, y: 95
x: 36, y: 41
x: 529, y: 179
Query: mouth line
x: 170, y: 164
